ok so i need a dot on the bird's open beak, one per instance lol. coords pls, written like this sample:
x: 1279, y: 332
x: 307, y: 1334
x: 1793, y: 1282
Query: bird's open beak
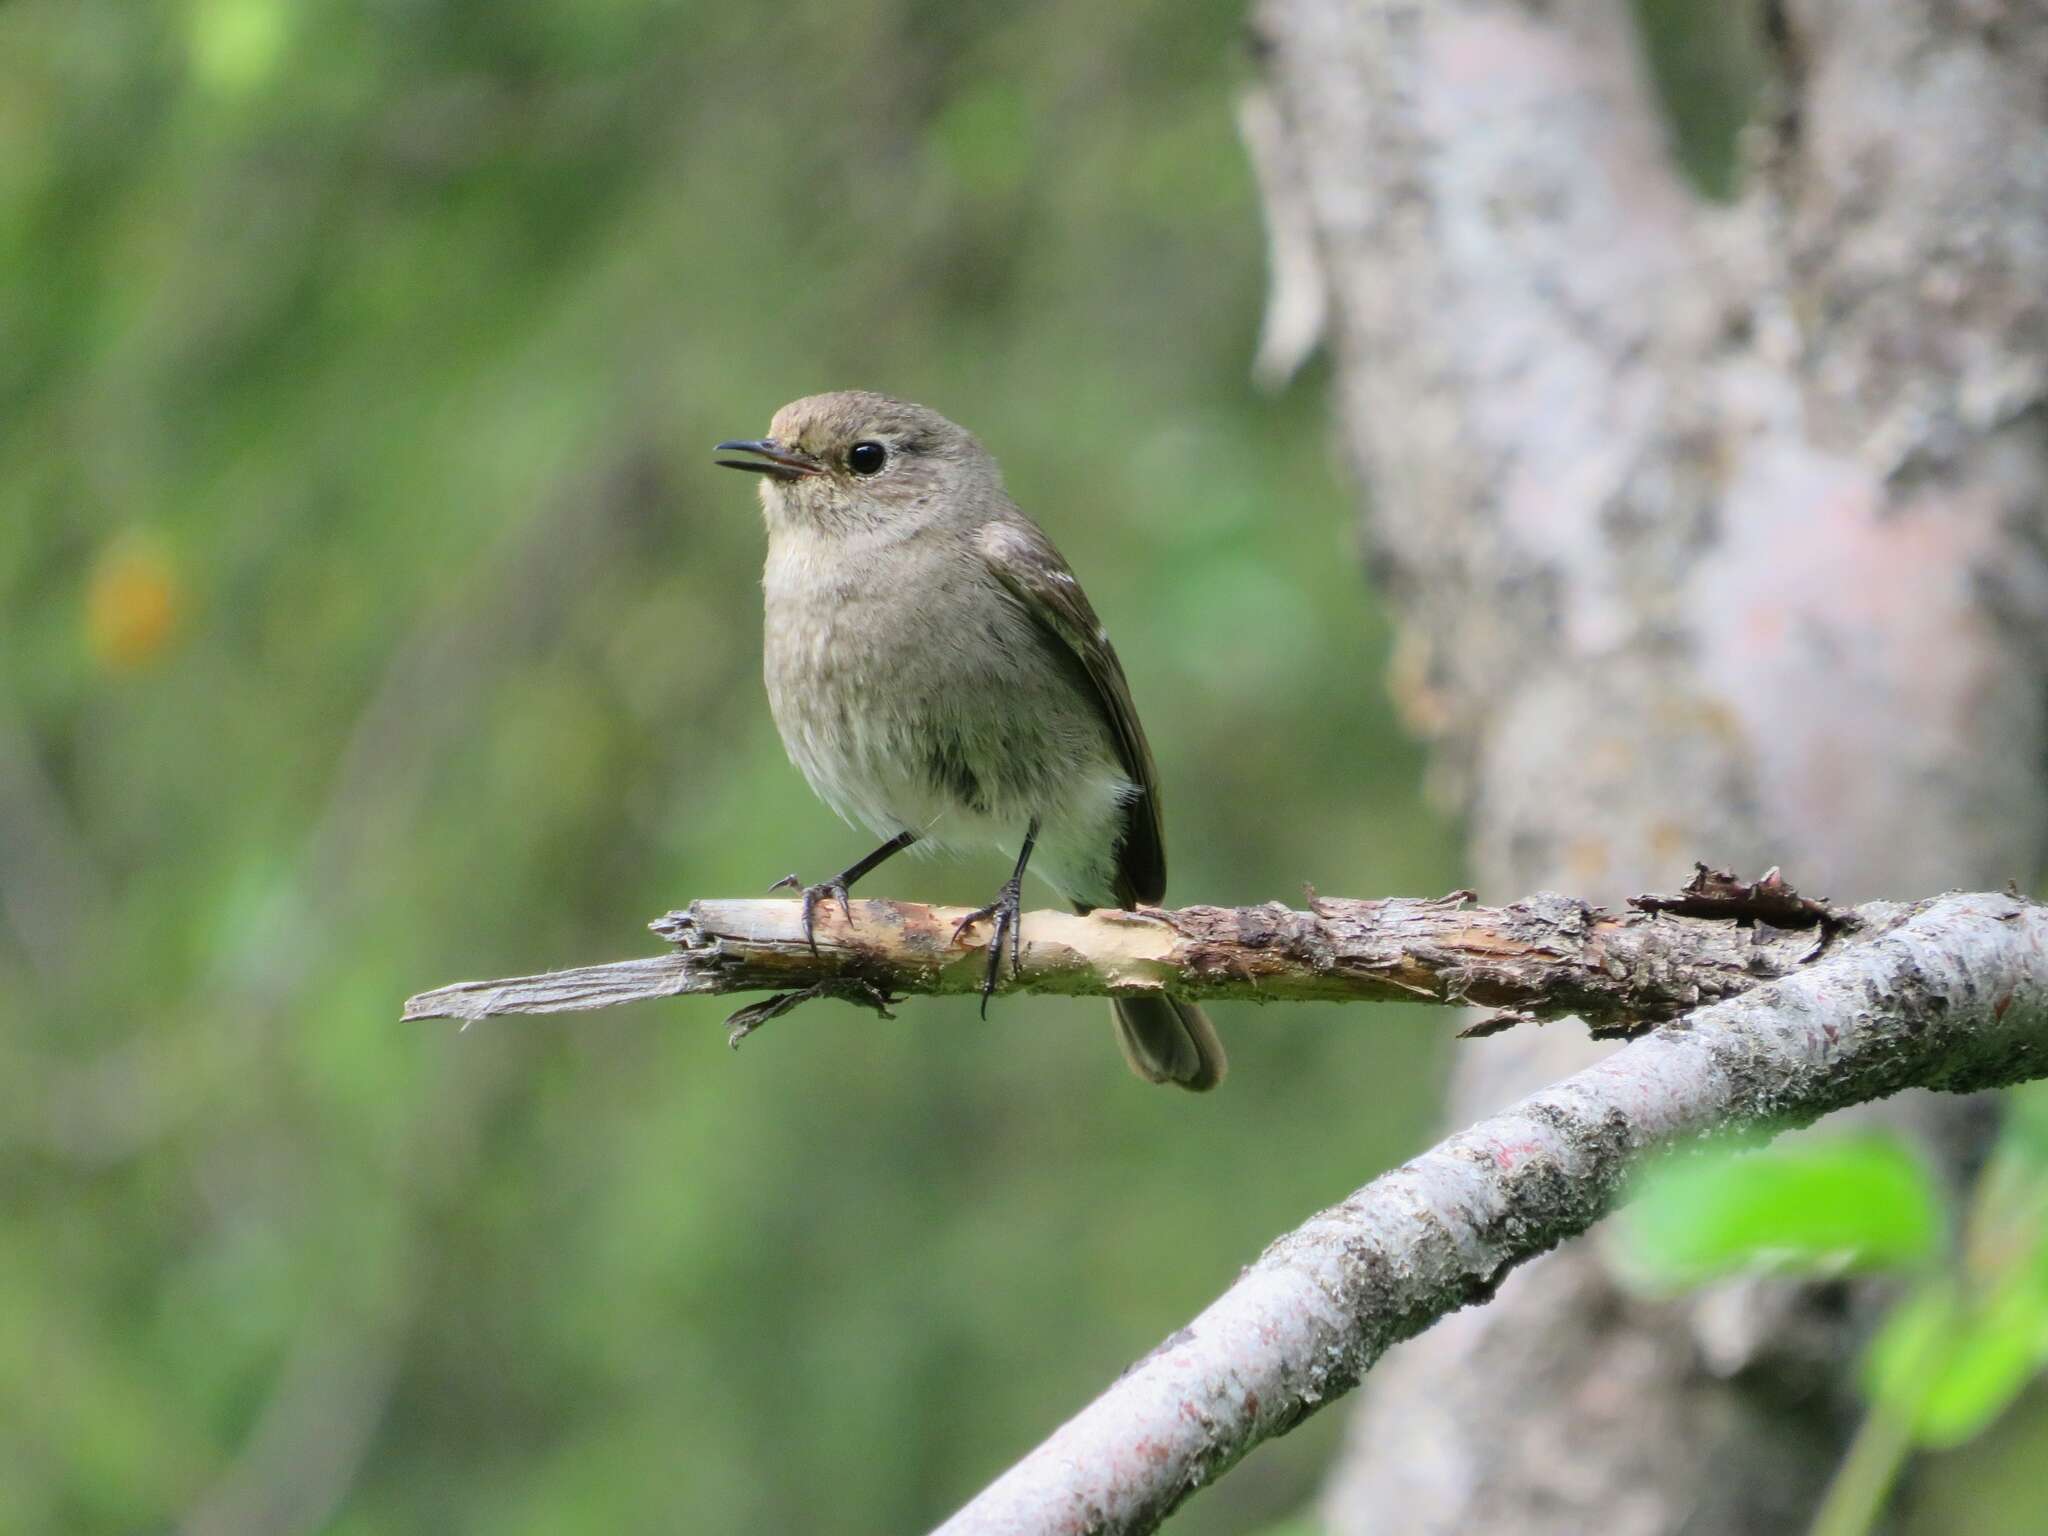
x: 770, y: 458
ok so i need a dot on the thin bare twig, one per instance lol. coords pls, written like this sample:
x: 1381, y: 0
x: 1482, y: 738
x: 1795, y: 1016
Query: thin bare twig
x: 1547, y: 957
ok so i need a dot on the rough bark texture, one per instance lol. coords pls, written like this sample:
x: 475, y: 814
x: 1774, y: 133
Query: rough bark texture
x: 1710, y: 529
x: 1951, y: 994
x: 1548, y: 957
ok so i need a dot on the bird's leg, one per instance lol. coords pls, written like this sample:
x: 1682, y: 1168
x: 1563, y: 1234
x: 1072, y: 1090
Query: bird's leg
x: 1007, y: 910
x: 837, y: 885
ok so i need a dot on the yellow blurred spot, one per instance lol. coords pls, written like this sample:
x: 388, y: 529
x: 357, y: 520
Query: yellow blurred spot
x: 132, y: 605
x: 1586, y: 859
x: 235, y: 45
x: 1670, y: 842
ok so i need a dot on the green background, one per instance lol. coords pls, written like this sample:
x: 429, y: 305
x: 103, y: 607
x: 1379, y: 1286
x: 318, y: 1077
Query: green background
x: 375, y: 617
x: 371, y: 616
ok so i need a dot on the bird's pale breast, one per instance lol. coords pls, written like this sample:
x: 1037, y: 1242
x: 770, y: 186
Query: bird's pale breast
x: 932, y: 703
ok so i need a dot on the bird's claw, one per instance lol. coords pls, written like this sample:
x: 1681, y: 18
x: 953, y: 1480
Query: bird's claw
x: 1006, y: 909
x: 813, y: 894
x: 852, y: 989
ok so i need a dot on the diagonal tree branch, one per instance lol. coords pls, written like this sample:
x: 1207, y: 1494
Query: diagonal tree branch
x: 1949, y: 994
x: 1548, y: 957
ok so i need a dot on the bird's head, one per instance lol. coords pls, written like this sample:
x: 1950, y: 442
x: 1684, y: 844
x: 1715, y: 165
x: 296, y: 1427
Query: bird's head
x: 851, y: 460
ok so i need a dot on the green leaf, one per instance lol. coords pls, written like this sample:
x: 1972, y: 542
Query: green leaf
x: 1910, y: 1347
x: 1994, y: 1353
x: 1861, y: 1202
x: 1953, y: 1356
x: 1949, y: 1367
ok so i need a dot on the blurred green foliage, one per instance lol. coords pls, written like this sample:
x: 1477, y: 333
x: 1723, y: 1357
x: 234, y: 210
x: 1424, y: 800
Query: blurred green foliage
x: 1823, y: 1205
x: 373, y: 617
x: 1968, y: 1331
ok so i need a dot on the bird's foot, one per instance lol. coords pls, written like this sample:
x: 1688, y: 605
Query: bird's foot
x: 813, y: 894
x: 1007, y: 910
x: 852, y: 989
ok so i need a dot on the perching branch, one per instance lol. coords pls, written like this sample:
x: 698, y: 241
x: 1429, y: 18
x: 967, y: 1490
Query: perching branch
x: 1774, y: 1010
x: 1949, y: 994
x: 1547, y: 957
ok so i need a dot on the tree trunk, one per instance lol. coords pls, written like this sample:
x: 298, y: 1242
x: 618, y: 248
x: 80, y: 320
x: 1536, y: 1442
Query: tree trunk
x: 1713, y: 531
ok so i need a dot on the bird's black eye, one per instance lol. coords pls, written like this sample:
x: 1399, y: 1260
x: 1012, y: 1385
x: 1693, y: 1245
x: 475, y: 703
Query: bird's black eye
x: 866, y: 458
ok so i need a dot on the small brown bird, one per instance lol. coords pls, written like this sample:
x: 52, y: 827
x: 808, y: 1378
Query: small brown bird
x: 938, y: 675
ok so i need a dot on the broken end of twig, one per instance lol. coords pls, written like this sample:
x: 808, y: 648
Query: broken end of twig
x: 678, y: 928
x: 460, y: 1001
x: 578, y: 990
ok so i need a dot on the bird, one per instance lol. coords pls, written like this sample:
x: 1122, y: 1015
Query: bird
x: 938, y: 676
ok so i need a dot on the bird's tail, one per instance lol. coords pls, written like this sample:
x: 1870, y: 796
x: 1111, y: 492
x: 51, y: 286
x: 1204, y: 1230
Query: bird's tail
x: 1168, y: 1041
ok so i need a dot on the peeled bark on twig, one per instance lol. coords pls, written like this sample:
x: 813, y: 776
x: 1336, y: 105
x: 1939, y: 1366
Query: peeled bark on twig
x: 1548, y: 957
x: 1952, y: 994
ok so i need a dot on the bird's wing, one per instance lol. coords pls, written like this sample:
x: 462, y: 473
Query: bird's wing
x: 1023, y: 559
